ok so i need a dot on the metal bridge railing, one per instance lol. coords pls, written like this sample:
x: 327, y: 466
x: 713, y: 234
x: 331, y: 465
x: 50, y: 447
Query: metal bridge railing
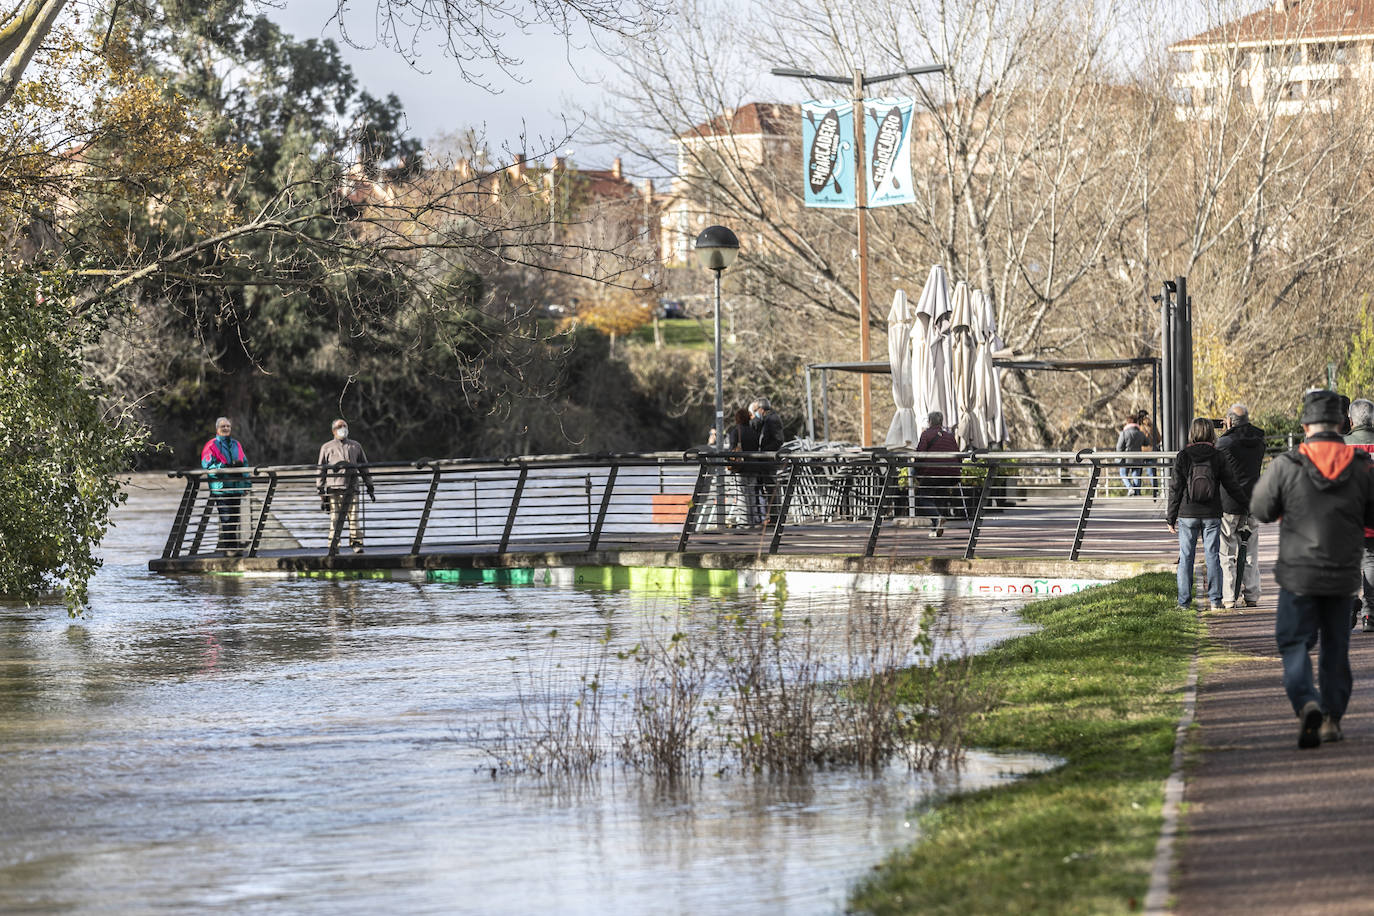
x: 868, y: 502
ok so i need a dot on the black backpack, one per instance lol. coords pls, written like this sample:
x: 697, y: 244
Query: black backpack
x: 1202, y: 482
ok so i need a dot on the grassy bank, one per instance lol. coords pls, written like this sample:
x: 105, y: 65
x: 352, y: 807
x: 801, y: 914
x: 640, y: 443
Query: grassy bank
x: 687, y: 333
x: 1100, y: 685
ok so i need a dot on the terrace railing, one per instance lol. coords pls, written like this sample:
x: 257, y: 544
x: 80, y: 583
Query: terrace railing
x: 862, y: 502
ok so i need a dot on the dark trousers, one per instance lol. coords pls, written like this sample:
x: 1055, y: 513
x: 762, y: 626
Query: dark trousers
x: 229, y: 505
x: 1300, y: 619
x: 1367, y: 573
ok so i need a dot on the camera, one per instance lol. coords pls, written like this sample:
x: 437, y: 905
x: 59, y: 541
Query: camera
x: 1218, y: 424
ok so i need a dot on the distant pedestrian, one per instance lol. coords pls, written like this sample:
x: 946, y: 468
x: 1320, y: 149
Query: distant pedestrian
x: 1322, y: 496
x: 342, y: 465
x: 768, y: 425
x: 1131, y: 439
x: 1243, y: 444
x: 1152, y: 440
x: 938, y: 479
x: 1362, y: 437
x: 747, y: 507
x: 227, y: 491
x: 1200, y: 476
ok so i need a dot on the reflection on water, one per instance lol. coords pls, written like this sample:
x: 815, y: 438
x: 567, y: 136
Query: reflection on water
x: 305, y: 746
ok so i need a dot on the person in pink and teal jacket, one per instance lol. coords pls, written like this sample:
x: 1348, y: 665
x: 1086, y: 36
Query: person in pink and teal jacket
x: 227, y: 491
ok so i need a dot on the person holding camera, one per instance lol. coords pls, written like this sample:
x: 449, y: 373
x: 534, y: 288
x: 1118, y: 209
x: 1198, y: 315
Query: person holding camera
x: 342, y: 463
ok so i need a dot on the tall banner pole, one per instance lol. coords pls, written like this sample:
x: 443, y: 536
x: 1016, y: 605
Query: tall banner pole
x: 861, y: 209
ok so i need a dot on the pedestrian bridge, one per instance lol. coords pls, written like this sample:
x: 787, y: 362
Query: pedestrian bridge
x: 850, y: 506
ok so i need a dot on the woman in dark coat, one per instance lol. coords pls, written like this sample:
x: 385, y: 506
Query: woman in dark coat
x: 1200, y: 473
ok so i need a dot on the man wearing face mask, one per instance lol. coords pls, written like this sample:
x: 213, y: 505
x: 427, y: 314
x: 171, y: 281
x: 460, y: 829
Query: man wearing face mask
x: 342, y: 462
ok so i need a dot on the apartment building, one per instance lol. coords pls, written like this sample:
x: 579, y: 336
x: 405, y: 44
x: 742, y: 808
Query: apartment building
x: 1301, y: 55
x: 753, y: 139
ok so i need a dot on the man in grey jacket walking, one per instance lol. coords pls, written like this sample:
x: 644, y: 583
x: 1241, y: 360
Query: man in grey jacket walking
x: 342, y: 464
x: 1322, y: 495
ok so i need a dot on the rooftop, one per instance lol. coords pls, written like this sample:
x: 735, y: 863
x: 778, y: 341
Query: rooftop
x: 1290, y: 20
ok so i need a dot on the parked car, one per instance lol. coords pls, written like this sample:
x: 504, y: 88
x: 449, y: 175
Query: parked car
x: 671, y: 308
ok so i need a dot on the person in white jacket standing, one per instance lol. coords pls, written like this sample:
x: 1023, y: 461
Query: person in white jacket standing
x: 342, y: 464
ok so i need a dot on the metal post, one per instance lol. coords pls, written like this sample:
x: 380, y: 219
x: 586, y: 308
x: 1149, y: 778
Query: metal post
x: 183, y: 518
x: 825, y: 404
x: 605, y: 505
x: 1085, y: 511
x: 514, y: 508
x: 810, y: 411
x: 888, y: 473
x: 861, y: 210
x: 782, y: 509
x: 1166, y: 352
x: 1183, y: 306
x: 204, y: 521
x: 694, y: 505
x: 978, y: 512
x: 720, y: 413
x: 262, y: 514
x: 424, y: 513
x: 720, y: 396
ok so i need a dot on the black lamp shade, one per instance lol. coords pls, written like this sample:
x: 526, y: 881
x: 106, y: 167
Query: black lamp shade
x: 717, y: 247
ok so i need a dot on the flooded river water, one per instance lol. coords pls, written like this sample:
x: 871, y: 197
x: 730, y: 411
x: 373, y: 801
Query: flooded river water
x: 305, y: 746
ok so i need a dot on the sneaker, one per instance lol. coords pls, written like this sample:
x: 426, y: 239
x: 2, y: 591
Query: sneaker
x: 1309, y: 735
x: 1229, y: 605
x: 1213, y: 606
x: 357, y: 548
x: 1250, y: 602
x: 938, y: 531
x: 1331, y: 730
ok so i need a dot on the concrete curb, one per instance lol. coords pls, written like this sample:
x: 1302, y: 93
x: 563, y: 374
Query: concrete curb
x: 1157, y: 897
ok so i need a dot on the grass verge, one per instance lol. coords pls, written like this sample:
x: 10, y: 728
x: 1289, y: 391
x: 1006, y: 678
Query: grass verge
x: 1099, y: 685
x: 686, y: 333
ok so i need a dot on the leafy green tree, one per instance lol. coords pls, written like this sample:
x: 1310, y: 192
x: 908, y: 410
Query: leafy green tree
x: 60, y: 447
x: 1356, y: 377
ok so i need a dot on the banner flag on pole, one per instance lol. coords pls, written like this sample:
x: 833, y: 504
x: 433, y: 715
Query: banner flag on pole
x: 888, y: 162
x: 828, y: 151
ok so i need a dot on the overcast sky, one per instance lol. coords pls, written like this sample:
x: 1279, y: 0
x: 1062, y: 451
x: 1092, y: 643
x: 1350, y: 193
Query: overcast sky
x: 437, y: 100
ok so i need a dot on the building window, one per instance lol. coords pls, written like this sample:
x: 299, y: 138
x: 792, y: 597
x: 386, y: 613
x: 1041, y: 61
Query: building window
x: 1328, y: 53
x: 1282, y: 55
x: 1293, y: 91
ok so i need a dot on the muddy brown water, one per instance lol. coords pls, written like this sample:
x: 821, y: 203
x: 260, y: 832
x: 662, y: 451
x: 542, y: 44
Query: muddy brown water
x: 304, y: 746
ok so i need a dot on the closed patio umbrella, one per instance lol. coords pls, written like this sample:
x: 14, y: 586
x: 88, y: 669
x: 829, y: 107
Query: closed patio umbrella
x: 988, y: 385
x: 969, y: 426
x: 904, y: 430
x: 930, y: 349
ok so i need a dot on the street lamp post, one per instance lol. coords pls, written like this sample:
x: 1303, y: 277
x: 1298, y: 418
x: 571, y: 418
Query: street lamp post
x: 717, y: 247
x: 857, y: 82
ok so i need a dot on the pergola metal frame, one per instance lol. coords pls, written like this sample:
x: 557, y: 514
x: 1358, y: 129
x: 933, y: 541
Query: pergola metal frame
x: 883, y: 367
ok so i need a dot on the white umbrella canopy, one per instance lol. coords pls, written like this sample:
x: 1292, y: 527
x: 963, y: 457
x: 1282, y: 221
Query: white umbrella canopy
x: 988, y: 385
x: 900, y: 320
x: 930, y: 350
x: 969, y: 427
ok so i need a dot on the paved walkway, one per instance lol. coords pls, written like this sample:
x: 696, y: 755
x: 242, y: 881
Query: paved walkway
x: 1268, y: 828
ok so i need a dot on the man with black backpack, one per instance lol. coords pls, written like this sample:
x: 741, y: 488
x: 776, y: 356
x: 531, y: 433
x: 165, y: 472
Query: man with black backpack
x: 1322, y: 495
x: 1200, y: 474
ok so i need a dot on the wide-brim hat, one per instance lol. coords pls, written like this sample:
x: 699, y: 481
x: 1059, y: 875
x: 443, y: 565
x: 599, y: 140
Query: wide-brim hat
x: 1321, y: 406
